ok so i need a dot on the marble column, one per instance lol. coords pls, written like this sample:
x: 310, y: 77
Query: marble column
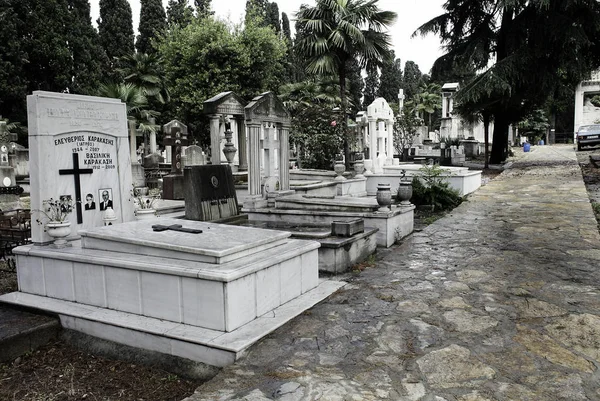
x: 254, y: 179
x: 373, y: 138
x: 390, y: 142
x: 152, y: 142
x: 215, y: 139
x: 284, y: 158
x: 242, y: 145
x: 132, y: 141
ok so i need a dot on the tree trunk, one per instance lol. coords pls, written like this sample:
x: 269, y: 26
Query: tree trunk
x: 486, y: 134
x: 500, y: 138
x: 342, y: 77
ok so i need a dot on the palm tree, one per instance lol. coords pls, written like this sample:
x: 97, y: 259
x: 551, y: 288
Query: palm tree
x: 144, y: 71
x: 136, y: 102
x: 335, y: 31
x: 428, y: 100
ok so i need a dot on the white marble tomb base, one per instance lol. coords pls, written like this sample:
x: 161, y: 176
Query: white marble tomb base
x: 392, y: 225
x: 462, y: 179
x: 213, y: 347
x: 219, y: 280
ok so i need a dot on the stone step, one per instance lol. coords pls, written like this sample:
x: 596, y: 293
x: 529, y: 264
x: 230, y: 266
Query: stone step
x: 337, y: 204
x: 213, y: 347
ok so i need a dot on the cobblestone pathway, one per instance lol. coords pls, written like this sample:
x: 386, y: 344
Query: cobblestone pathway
x: 498, y: 301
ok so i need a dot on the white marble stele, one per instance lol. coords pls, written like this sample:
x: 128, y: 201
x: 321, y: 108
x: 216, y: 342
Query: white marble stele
x: 204, y: 296
x: 93, y: 130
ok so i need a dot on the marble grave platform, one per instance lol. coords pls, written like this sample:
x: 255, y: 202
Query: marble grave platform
x: 205, y: 296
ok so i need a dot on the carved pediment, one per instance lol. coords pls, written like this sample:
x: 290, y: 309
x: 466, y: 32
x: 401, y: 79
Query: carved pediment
x: 225, y: 103
x: 267, y: 107
x: 175, y: 123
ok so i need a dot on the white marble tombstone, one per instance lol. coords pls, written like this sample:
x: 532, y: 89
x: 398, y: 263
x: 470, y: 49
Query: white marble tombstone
x: 79, y: 147
x: 193, y: 156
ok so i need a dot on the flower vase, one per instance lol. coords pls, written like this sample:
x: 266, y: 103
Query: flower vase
x: 405, y: 192
x: 59, y: 230
x: 384, y: 197
x: 359, y: 166
x: 145, y: 214
x: 339, y: 167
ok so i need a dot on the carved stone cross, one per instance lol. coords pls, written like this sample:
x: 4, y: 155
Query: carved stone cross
x: 175, y: 227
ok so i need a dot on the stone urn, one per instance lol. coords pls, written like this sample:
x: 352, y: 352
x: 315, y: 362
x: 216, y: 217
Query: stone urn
x: 405, y: 192
x: 229, y: 149
x: 384, y: 197
x: 359, y: 166
x: 368, y: 165
x: 145, y: 214
x: 339, y: 167
x: 59, y: 230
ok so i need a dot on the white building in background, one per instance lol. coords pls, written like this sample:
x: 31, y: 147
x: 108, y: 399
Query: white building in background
x: 585, y: 112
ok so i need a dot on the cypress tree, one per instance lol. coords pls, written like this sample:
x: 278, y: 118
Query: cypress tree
x: 179, y: 13
x: 390, y: 80
x: 203, y: 8
x: 153, y: 21
x: 285, y: 27
x: 13, y: 56
x: 115, y: 27
x: 412, y: 79
x: 371, y: 85
x: 84, y: 43
x: 272, y: 17
x: 355, y: 86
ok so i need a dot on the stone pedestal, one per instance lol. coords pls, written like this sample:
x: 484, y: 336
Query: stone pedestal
x: 173, y: 187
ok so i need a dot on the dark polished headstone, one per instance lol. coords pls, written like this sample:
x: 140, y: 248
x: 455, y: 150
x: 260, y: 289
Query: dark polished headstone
x: 209, y: 193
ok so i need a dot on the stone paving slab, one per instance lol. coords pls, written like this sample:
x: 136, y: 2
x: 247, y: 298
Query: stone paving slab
x: 500, y: 300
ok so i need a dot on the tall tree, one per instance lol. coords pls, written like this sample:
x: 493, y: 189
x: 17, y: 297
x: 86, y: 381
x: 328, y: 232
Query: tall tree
x: 355, y: 87
x: 285, y: 27
x: 115, y: 27
x: 272, y: 17
x: 34, y: 52
x: 371, y: 85
x: 256, y: 10
x: 412, y: 79
x: 208, y: 57
x: 289, y: 56
x: 153, y: 22
x: 339, y: 30
x: 89, y: 58
x: 390, y: 80
x: 532, y: 47
x: 179, y: 13
x: 203, y: 8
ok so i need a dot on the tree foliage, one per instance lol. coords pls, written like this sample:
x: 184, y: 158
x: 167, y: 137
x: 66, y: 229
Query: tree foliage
x: 208, y: 57
x: 203, y: 8
x: 179, y: 13
x: 413, y: 78
x: 34, y: 52
x: 355, y: 87
x: 311, y: 104
x: 115, y: 27
x: 272, y: 17
x: 406, y: 126
x: 153, y: 22
x: 371, y: 85
x: 390, y: 80
x: 532, y: 46
x: 335, y: 31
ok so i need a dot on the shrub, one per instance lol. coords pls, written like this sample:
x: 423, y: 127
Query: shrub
x: 430, y: 188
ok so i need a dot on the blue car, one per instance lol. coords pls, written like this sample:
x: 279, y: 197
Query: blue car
x: 588, y: 135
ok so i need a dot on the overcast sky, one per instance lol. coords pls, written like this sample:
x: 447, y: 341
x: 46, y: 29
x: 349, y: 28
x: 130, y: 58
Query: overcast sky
x: 411, y: 14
